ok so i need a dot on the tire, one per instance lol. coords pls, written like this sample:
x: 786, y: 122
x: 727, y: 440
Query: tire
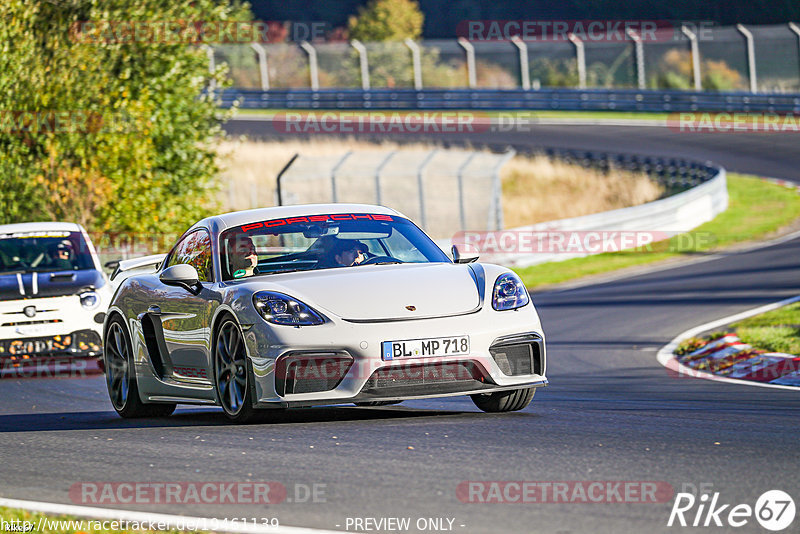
x: 376, y: 403
x: 232, y: 379
x: 123, y: 390
x: 504, y: 401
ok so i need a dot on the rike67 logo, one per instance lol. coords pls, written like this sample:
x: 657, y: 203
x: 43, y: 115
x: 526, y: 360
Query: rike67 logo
x: 774, y: 510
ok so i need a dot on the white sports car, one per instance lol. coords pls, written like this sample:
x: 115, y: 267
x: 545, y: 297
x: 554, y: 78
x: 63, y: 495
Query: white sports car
x: 53, y: 298
x: 317, y: 305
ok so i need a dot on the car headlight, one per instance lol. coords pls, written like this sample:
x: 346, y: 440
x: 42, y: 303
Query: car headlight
x: 277, y: 308
x: 509, y: 293
x: 90, y: 300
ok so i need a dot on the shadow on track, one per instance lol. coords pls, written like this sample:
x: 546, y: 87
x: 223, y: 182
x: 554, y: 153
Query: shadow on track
x: 35, y: 422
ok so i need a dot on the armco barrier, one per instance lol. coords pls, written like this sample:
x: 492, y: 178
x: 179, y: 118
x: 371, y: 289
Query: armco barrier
x: 513, y: 99
x: 699, y: 193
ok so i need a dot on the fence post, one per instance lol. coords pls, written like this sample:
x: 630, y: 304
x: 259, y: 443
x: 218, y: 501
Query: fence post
x: 580, y: 59
x: 416, y: 62
x: 312, y: 64
x: 378, y: 199
x: 751, y: 57
x: 334, y: 170
x: 363, y: 61
x: 262, y: 65
x: 497, y: 190
x: 460, y: 177
x: 212, y: 67
x: 280, y: 175
x: 695, y: 51
x: 638, y: 49
x: 524, y: 71
x: 796, y: 29
x: 472, y: 78
x: 421, y: 187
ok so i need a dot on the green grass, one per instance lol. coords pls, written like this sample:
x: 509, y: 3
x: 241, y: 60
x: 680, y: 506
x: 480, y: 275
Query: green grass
x: 77, y: 525
x: 787, y: 315
x: 775, y: 331
x: 756, y: 209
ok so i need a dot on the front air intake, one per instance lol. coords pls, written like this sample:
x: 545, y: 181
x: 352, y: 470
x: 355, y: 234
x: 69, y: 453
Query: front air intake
x: 310, y: 372
x: 519, y: 355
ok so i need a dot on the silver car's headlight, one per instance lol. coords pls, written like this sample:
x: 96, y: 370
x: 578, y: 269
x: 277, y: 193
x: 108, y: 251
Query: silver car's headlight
x: 277, y: 308
x: 509, y: 293
x: 90, y: 300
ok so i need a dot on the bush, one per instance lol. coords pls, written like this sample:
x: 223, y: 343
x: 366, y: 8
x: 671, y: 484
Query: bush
x: 139, y: 153
x: 387, y: 20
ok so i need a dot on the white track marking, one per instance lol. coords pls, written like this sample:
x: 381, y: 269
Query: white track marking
x: 172, y: 521
x: 667, y: 358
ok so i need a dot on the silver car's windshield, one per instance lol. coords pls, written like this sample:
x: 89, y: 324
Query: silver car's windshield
x: 43, y: 252
x: 323, y: 242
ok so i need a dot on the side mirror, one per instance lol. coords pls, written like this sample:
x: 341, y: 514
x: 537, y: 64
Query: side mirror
x: 467, y: 257
x: 182, y: 275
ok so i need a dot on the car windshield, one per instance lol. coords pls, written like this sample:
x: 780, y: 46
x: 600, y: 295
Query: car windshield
x: 22, y: 252
x: 323, y: 242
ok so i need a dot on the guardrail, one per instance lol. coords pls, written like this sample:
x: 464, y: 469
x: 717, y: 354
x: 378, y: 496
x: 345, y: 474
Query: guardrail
x: 698, y: 194
x: 512, y: 99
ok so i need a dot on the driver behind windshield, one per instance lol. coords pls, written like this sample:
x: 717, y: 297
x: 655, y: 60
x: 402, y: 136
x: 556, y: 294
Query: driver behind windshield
x: 348, y: 252
x: 61, y: 255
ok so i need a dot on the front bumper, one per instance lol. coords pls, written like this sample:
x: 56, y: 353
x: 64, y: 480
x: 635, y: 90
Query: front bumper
x: 364, y: 376
x: 71, y: 354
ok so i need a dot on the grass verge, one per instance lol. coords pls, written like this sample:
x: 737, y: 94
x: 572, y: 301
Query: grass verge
x: 756, y: 210
x: 774, y: 331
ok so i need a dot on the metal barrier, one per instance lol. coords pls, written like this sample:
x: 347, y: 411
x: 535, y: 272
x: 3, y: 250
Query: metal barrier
x: 734, y: 58
x: 511, y: 99
x: 695, y: 193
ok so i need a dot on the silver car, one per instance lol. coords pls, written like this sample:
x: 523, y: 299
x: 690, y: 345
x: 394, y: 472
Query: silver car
x: 317, y: 305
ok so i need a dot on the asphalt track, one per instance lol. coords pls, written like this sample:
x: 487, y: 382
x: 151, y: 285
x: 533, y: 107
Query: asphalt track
x: 611, y: 413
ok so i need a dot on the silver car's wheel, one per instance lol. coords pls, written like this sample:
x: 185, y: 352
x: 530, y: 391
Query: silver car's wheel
x: 504, y: 401
x: 230, y: 373
x: 121, y: 376
x: 117, y: 370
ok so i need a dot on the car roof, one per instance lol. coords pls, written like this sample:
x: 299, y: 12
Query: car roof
x: 40, y: 227
x: 238, y: 218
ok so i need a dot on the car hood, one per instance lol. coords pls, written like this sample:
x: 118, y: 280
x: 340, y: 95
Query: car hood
x: 388, y: 292
x: 48, y: 284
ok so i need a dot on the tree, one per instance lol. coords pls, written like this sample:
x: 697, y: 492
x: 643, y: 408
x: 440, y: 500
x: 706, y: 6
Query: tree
x: 387, y: 20
x: 103, y: 125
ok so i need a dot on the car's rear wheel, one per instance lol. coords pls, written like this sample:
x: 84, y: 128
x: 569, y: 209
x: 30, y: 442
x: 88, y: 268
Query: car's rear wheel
x: 121, y: 376
x: 231, y: 376
x: 504, y: 401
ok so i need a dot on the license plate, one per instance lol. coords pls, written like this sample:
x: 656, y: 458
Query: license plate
x: 418, y: 348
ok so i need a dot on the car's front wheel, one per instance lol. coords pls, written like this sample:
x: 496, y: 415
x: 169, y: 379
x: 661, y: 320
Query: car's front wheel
x: 504, y: 401
x: 121, y: 376
x: 231, y: 376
